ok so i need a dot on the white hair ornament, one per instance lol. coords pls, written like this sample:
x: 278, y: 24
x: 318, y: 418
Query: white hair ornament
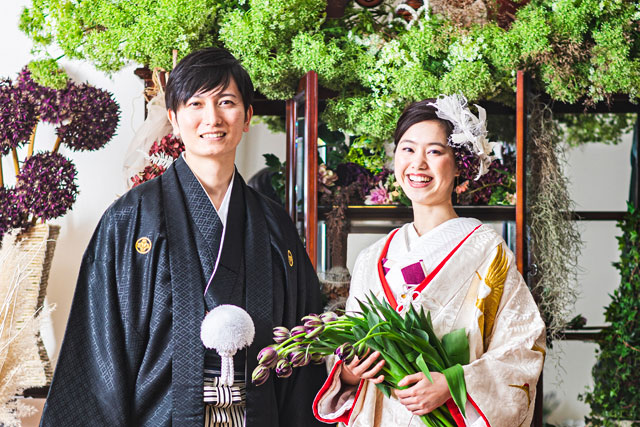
x: 227, y: 329
x: 469, y: 131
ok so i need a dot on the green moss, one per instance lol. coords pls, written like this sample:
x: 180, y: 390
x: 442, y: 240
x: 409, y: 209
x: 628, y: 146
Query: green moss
x: 46, y: 72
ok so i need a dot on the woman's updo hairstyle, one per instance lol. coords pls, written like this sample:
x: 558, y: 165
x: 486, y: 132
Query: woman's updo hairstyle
x: 419, y: 112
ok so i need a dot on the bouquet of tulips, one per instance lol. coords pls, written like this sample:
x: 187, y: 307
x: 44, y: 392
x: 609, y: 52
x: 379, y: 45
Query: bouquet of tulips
x: 407, y: 343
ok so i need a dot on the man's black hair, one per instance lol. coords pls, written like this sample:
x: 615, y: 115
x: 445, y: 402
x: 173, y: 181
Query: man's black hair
x: 203, y: 71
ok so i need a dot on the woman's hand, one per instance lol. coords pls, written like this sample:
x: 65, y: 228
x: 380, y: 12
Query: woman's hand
x: 423, y: 396
x: 365, y: 369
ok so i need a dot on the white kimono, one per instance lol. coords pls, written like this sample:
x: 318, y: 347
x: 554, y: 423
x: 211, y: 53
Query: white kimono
x: 477, y: 288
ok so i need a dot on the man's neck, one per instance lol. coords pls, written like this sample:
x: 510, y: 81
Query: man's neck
x: 214, y: 175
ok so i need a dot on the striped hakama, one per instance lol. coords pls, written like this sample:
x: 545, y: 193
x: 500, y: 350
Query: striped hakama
x: 224, y: 405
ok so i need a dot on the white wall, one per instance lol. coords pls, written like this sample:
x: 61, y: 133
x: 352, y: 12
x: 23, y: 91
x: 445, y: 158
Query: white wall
x: 599, y: 177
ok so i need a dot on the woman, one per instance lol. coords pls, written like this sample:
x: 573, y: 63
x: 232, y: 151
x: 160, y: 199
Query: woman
x: 458, y: 269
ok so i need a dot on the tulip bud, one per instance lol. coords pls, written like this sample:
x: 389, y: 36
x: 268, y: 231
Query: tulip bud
x: 313, y: 325
x: 284, y: 368
x: 317, y: 358
x: 280, y: 334
x: 298, y: 333
x: 361, y: 350
x: 328, y: 316
x: 260, y: 375
x: 346, y: 352
x: 299, y: 358
x: 268, y: 357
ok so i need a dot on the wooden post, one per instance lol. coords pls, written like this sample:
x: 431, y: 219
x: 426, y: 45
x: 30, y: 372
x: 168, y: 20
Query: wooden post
x: 310, y: 82
x: 522, y: 259
x: 16, y: 163
x: 290, y: 163
x: 521, y: 123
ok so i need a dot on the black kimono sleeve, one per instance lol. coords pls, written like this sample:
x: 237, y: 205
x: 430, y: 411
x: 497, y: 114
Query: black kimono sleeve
x: 92, y: 384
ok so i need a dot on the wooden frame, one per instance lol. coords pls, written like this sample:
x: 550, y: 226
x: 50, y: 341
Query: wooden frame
x: 307, y: 95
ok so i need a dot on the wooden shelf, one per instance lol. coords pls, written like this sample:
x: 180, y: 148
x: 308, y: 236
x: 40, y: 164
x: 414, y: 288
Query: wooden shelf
x: 587, y: 333
x: 397, y: 213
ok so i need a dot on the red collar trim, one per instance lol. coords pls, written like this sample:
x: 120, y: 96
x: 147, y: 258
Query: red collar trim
x: 385, y: 285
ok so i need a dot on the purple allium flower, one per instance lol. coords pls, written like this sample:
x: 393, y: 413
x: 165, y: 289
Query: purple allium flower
x: 46, y: 185
x: 298, y: 333
x: 18, y: 117
x: 93, y: 116
x: 45, y: 100
x: 260, y: 375
x: 12, y: 212
x: 280, y: 334
x: 284, y: 368
x: 268, y: 357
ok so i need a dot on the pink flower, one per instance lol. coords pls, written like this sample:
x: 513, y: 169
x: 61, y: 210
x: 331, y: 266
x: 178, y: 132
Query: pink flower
x: 326, y: 178
x: 462, y: 187
x: 378, y: 196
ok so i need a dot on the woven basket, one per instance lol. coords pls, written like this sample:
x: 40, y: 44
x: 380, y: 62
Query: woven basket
x: 28, y: 256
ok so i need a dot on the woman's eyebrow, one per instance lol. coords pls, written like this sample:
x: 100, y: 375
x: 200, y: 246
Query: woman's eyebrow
x: 410, y: 141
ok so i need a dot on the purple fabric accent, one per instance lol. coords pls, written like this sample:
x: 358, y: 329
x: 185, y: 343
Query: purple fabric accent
x: 385, y: 270
x: 413, y: 274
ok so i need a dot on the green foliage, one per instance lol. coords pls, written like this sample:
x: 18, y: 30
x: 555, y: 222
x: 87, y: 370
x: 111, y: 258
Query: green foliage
x: 575, y: 49
x: 616, y: 375
x: 278, y: 169
x: 46, y: 72
x: 111, y: 33
x: 263, y: 37
x: 366, y: 153
x: 604, y: 128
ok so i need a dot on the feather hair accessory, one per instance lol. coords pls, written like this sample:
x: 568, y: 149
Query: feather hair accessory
x: 227, y: 329
x: 469, y: 131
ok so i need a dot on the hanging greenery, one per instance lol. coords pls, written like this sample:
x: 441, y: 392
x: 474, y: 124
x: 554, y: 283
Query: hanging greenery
x: 616, y: 375
x: 554, y: 236
x: 375, y: 59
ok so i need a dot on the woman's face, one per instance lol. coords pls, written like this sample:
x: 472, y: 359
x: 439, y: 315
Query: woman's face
x: 425, y: 165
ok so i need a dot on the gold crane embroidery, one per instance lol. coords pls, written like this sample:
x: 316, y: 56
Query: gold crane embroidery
x: 525, y: 388
x: 536, y: 347
x: 488, y: 305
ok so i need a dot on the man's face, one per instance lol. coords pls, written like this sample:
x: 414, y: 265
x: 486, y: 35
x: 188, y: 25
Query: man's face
x: 211, y: 123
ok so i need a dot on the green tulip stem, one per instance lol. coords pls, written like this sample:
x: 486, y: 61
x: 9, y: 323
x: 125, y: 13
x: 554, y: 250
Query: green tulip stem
x: 368, y: 337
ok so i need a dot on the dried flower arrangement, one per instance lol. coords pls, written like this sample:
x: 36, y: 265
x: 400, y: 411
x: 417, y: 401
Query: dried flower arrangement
x: 161, y: 154
x: 85, y: 118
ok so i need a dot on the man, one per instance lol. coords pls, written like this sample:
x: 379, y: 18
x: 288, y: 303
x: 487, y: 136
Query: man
x: 169, y: 251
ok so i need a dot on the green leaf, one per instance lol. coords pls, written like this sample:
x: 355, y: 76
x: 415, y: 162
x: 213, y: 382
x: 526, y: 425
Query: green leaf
x: 385, y: 389
x: 424, y: 368
x: 457, y: 386
x: 456, y: 344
